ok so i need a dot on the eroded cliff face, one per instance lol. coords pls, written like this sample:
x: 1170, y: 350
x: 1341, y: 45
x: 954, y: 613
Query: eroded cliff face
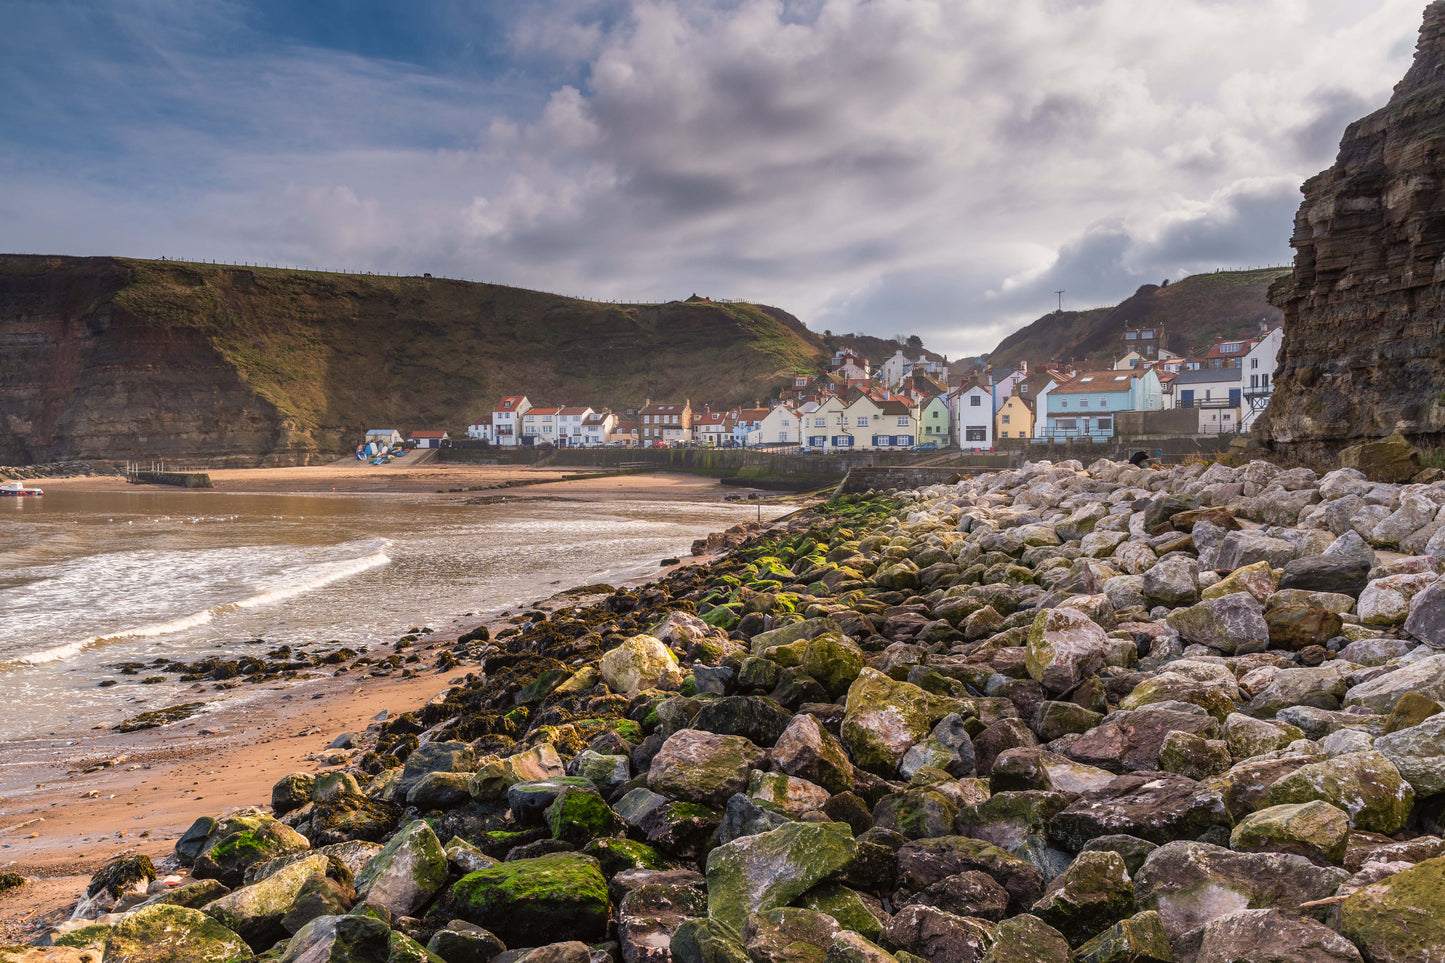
x: 1364, y: 336
x: 83, y: 378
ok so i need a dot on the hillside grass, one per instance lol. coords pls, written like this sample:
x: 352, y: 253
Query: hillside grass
x: 338, y: 353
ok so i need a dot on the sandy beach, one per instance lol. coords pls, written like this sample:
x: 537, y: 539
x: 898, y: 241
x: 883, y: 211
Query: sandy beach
x: 103, y: 793
x: 353, y: 477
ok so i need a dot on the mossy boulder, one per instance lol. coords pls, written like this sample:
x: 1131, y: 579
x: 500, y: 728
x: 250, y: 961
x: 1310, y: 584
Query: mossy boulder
x: 1366, y: 785
x: 707, y: 941
x: 173, y: 934
x: 121, y: 874
x: 292, y: 792
x: 1138, y: 939
x: 580, y: 815
x: 242, y: 842
x: 1315, y: 830
x: 527, y: 902
x: 615, y: 854
x: 341, y: 939
x: 882, y: 719
x: 1094, y: 893
x: 809, y: 751
x: 772, y: 869
x: 255, y: 912
x: 640, y: 662
x: 833, y: 660
x: 1400, y: 919
x: 703, y: 767
x: 845, y: 906
x: 1027, y: 939
x: 1065, y: 647
x: 408, y: 871
x: 789, y: 935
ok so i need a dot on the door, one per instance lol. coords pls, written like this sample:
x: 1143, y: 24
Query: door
x: 1234, y: 397
x: 1186, y: 398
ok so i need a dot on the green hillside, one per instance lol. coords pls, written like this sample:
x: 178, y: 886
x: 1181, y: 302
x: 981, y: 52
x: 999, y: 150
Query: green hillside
x: 337, y: 353
x: 1193, y: 311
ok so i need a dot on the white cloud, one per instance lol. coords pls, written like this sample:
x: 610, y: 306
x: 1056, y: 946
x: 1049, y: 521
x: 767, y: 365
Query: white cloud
x: 938, y: 166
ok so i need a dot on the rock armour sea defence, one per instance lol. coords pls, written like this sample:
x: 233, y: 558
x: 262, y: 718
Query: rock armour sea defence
x: 1364, y: 347
x: 920, y: 726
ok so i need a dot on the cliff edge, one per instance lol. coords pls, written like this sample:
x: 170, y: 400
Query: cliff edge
x: 1364, y: 335
x: 113, y: 358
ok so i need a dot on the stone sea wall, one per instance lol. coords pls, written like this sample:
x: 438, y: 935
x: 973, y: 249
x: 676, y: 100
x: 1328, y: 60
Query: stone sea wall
x: 1056, y: 713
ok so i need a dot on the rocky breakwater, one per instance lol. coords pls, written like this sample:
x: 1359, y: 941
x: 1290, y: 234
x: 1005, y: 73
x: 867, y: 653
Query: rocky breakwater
x: 1051, y: 714
x: 1364, y: 347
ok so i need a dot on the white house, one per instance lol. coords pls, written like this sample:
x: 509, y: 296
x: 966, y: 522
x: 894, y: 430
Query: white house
x: 596, y: 428
x: 972, y: 416
x: 429, y: 439
x: 539, y: 426
x: 481, y: 431
x: 569, y: 425
x: 1257, y: 374
x: 507, y: 420
x: 747, y: 424
x: 780, y: 427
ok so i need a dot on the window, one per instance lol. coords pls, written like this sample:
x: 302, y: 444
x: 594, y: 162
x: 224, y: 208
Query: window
x: 975, y: 400
x: 902, y: 421
x: 1254, y: 362
x: 972, y: 433
x: 1066, y: 424
x: 1063, y: 402
x: 862, y: 421
x: 820, y: 422
x: 785, y: 422
x: 1104, y: 424
x: 1264, y: 381
x: 1005, y: 419
x: 1083, y: 402
x: 1103, y: 402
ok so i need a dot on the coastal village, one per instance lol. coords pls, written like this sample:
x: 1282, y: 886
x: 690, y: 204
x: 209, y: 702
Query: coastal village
x: 909, y: 404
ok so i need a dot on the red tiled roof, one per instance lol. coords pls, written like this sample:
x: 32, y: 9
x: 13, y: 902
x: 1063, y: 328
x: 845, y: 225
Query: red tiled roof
x: 544, y: 411
x: 575, y: 411
x: 510, y: 403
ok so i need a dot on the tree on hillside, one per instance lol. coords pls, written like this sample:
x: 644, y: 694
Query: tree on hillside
x: 915, y: 343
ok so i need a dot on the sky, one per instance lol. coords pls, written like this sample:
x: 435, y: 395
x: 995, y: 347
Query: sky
x: 894, y: 167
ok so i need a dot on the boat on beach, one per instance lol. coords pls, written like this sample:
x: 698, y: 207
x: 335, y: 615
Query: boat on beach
x: 13, y: 489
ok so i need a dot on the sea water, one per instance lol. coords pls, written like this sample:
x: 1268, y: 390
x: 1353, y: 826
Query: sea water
x: 92, y: 580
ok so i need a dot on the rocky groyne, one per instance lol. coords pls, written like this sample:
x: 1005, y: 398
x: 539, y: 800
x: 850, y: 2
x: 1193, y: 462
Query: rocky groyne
x: 1050, y: 714
x: 1364, y: 346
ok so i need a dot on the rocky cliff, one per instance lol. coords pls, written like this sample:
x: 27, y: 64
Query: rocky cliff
x: 108, y: 358
x: 1364, y: 341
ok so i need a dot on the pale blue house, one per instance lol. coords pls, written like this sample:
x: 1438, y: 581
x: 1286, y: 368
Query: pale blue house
x: 1084, y: 406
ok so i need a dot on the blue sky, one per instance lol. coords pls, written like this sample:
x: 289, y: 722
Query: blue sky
x: 937, y: 167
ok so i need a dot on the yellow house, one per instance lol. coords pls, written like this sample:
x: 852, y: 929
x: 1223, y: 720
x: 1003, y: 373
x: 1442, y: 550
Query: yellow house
x: 1015, y: 419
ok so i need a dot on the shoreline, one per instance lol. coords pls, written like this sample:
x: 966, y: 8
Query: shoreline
x: 99, y: 793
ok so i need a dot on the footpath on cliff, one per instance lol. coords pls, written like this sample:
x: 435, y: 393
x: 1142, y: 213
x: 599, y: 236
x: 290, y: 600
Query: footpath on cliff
x: 1102, y: 713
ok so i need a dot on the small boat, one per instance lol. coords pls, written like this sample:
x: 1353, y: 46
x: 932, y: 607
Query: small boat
x: 14, y: 489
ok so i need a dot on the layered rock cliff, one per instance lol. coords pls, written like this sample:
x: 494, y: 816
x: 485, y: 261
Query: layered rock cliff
x: 1364, y: 337
x: 108, y: 358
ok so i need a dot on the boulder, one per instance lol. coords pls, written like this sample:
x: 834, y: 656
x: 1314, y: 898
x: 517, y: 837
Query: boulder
x: 771, y: 869
x: 1064, y: 647
x: 1380, y: 693
x: 703, y: 767
x: 244, y: 841
x: 1418, y: 753
x: 1027, y: 939
x: 1094, y: 893
x: 1172, y: 582
x: 463, y: 942
x: 640, y: 662
x: 1138, y: 939
x: 430, y: 757
x: 1257, y: 580
x: 789, y: 935
x: 1401, y: 918
x: 1190, y: 883
x: 882, y: 718
x: 833, y: 660
x: 1315, y: 830
x: 255, y: 912
x: 407, y: 872
x: 1386, y: 601
x: 526, y: 902
x: 1266, y: 934
x: 809, y: 751
x: 292, y: 792
x: 923, y: 863
x: 1366, y: 785
x: 579, y: 816
x: 173, y: 934
x: 936, y: 936
x: 844, y: 905
x: 1426, y: 620
x: 1129, y: 741
x: 341, y: 939
x: 713, y: 941
x: 758, y: 719
x: 1230, y: 623
x: 648, y: 915
x: 1157, y: 806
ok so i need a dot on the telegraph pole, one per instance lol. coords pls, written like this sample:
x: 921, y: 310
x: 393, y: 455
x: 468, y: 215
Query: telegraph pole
x: 1061, y: 301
